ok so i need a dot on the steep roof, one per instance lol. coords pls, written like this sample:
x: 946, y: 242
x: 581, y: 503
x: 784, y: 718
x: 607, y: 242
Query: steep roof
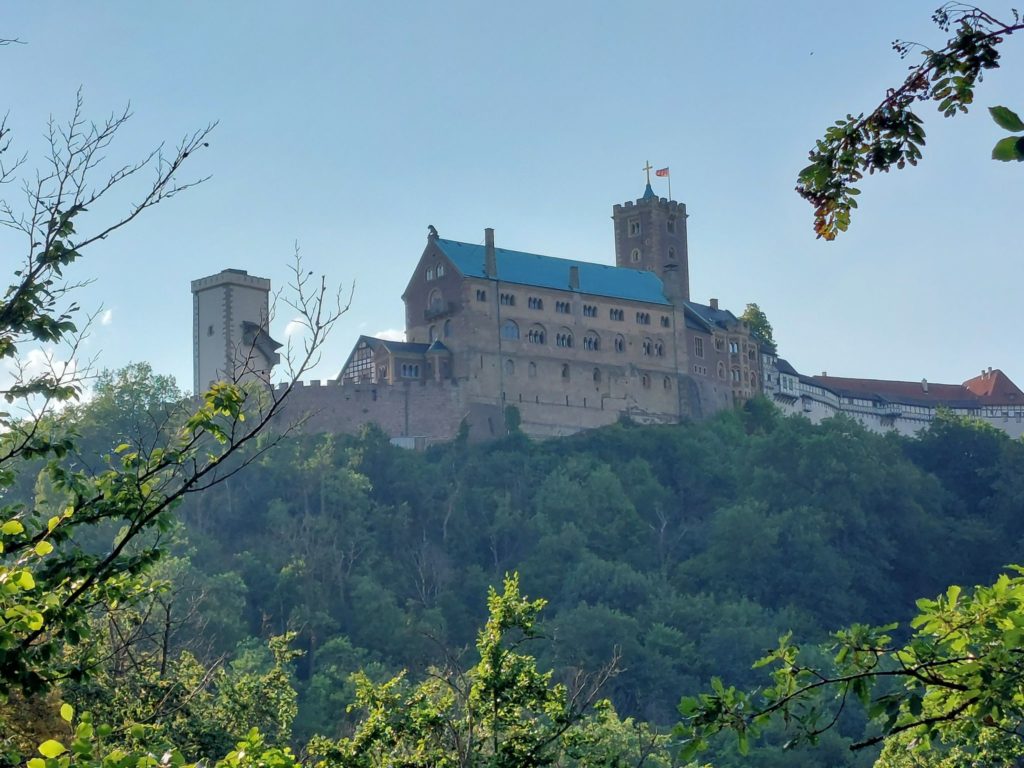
x: 996, y: 387
x: 722, y: 318
x: 550, y: 272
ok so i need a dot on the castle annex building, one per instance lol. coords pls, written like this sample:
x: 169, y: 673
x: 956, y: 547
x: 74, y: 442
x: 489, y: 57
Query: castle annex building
x: 496, y: 336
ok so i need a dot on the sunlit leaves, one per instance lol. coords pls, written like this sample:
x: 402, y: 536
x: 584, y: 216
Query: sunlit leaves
x: 892, y: 135
x: 958, y: 677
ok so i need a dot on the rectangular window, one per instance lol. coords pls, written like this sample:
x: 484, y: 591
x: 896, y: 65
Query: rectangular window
x: 698, y: 347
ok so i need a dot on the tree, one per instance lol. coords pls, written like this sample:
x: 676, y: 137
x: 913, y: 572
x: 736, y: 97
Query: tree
x: 758, y: 323
x: 50, y: 585
x: 891, y: 135
x: 954, y: 686
x: 503, y: 712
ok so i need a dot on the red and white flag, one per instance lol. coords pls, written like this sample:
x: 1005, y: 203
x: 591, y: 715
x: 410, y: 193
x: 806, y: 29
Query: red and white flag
x: 661, y: 172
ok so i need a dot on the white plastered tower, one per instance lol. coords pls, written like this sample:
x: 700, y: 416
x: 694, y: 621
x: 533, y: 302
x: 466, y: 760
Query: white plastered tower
x: 230, y: 329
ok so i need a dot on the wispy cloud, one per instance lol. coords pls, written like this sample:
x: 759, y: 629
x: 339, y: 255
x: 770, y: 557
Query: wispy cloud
x: 297, y: 325
x: 391, y: 334
x: 107, y: 317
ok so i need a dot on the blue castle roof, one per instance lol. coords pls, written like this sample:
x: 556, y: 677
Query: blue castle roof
x: 550, y: 272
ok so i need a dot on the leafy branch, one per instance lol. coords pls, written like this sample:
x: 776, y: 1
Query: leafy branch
x: 891, y: 135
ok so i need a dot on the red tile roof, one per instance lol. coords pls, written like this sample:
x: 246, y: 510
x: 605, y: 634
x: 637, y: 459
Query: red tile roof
x: 990, y: 388
x: 995, y: 387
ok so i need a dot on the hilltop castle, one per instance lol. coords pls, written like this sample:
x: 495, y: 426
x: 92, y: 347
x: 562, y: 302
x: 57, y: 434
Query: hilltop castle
x: 496, y: 336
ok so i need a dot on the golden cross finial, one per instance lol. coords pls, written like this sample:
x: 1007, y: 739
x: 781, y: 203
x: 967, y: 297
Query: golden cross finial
x: 648, y: 169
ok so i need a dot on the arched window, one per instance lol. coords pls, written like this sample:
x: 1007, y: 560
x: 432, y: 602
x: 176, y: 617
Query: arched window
x: 648, y: 347
x: 620, y: 343
x: 721, y: 370
x: 659, y: 349
x: 671, y: 253
x: 645, y: 381
x: 510, y: 367
x: 597, y: 375
x: 531, y: 370
x: 563, y: 338
x: 634, y: 256
x: 509, y: 330
x: 436, y: 301
x: 667, y: 383
x: 592, y: 341
x: 565, y: 372
x: 447, y: 328
x: 433, y: 333
x: 536, y: 334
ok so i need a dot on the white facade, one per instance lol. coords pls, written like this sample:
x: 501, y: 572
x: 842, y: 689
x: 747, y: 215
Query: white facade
x: 796, y: 394
x: 230, y: 320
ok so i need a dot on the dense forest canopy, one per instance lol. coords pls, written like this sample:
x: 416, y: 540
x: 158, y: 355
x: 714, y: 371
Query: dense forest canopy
x: 683, y: 552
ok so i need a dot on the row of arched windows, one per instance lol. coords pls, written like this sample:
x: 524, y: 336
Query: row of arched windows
x: 564, y: 338
x: 509, y: 367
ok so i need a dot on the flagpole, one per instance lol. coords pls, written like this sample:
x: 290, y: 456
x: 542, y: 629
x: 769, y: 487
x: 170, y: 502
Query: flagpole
x: 670, y: 184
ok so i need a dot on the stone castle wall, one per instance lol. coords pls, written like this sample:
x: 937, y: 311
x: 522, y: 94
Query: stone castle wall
x: 429, y: 410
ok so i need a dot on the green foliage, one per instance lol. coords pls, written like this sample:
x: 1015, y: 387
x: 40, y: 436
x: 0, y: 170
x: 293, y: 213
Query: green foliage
x: 1012, y: 147
x: 953, y: 686
x: 757, y: 320
x: 502, y: 712
x: 891, y: 136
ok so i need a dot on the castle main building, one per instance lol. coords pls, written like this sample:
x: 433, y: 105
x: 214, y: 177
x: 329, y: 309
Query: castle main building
x: 569, y: 344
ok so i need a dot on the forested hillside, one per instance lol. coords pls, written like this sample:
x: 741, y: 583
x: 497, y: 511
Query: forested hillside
x: 683, y: 551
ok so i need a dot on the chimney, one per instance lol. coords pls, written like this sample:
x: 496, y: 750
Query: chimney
x: 574, y: 277
x: 713, y: 303
x: 990, y: 370
x: 924, y: 385
x: 490, y: 260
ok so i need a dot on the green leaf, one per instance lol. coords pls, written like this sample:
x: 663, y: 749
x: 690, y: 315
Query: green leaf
x: 37, y: 762
x: 1008, y: 149
x: 51, y: 748
x: 67, y: 712
x: 1006, y: 118
x: 25, y: 580
x: 11, y: 528
x: 743, y: 743
x: 44, y: 548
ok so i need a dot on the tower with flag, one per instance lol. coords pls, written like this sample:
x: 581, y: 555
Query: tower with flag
x: 650, y: 234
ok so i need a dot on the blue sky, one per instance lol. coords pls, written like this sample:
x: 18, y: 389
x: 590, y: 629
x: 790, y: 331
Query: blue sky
x: 349, y: 127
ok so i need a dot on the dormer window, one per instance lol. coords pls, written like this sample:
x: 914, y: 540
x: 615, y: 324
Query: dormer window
x: 440, y: 270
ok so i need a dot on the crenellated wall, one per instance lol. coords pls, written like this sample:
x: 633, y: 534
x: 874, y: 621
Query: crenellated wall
x: 429, y: 410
